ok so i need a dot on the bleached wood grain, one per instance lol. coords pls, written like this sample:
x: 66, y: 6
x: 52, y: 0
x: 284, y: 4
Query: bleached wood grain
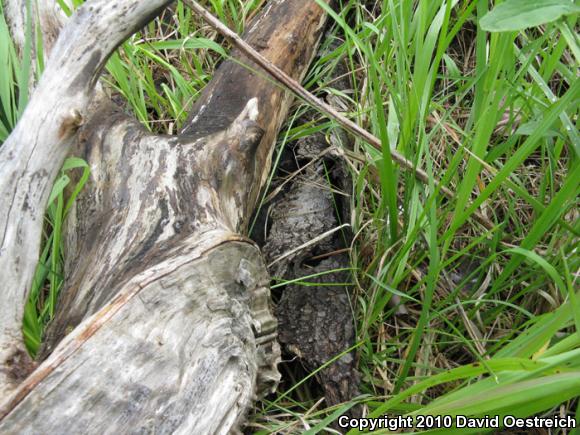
x: 35, y: 151
x: 164, y: 323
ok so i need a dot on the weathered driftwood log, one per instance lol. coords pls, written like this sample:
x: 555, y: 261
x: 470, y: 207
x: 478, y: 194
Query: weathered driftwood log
x: 168, y: 305
x: 33, y: 154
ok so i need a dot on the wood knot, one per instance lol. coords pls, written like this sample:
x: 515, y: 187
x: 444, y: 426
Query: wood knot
x: 70, y: 124
x: 19, y: 365
x: 251, y: 138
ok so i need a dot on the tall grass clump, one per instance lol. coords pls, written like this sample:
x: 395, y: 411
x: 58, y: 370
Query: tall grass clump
x: 485, y: 100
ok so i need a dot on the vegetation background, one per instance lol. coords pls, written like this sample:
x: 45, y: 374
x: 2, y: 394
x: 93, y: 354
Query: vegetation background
x: 483, y: 95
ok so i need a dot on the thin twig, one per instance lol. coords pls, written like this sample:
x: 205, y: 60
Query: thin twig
x: 307, y: 244
x: 299, y: 90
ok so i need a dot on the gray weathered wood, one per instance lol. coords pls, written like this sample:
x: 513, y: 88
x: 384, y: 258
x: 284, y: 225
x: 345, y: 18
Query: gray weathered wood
x: 178, y: 356
x: 33, y: 154
x: 164, y: 322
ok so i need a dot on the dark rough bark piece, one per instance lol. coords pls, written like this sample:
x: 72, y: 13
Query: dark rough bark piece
x: 303, y: 212
x: 316, y: 324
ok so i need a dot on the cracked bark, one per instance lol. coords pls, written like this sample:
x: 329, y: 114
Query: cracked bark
x: 316, y: 321
x: 164, y: 323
